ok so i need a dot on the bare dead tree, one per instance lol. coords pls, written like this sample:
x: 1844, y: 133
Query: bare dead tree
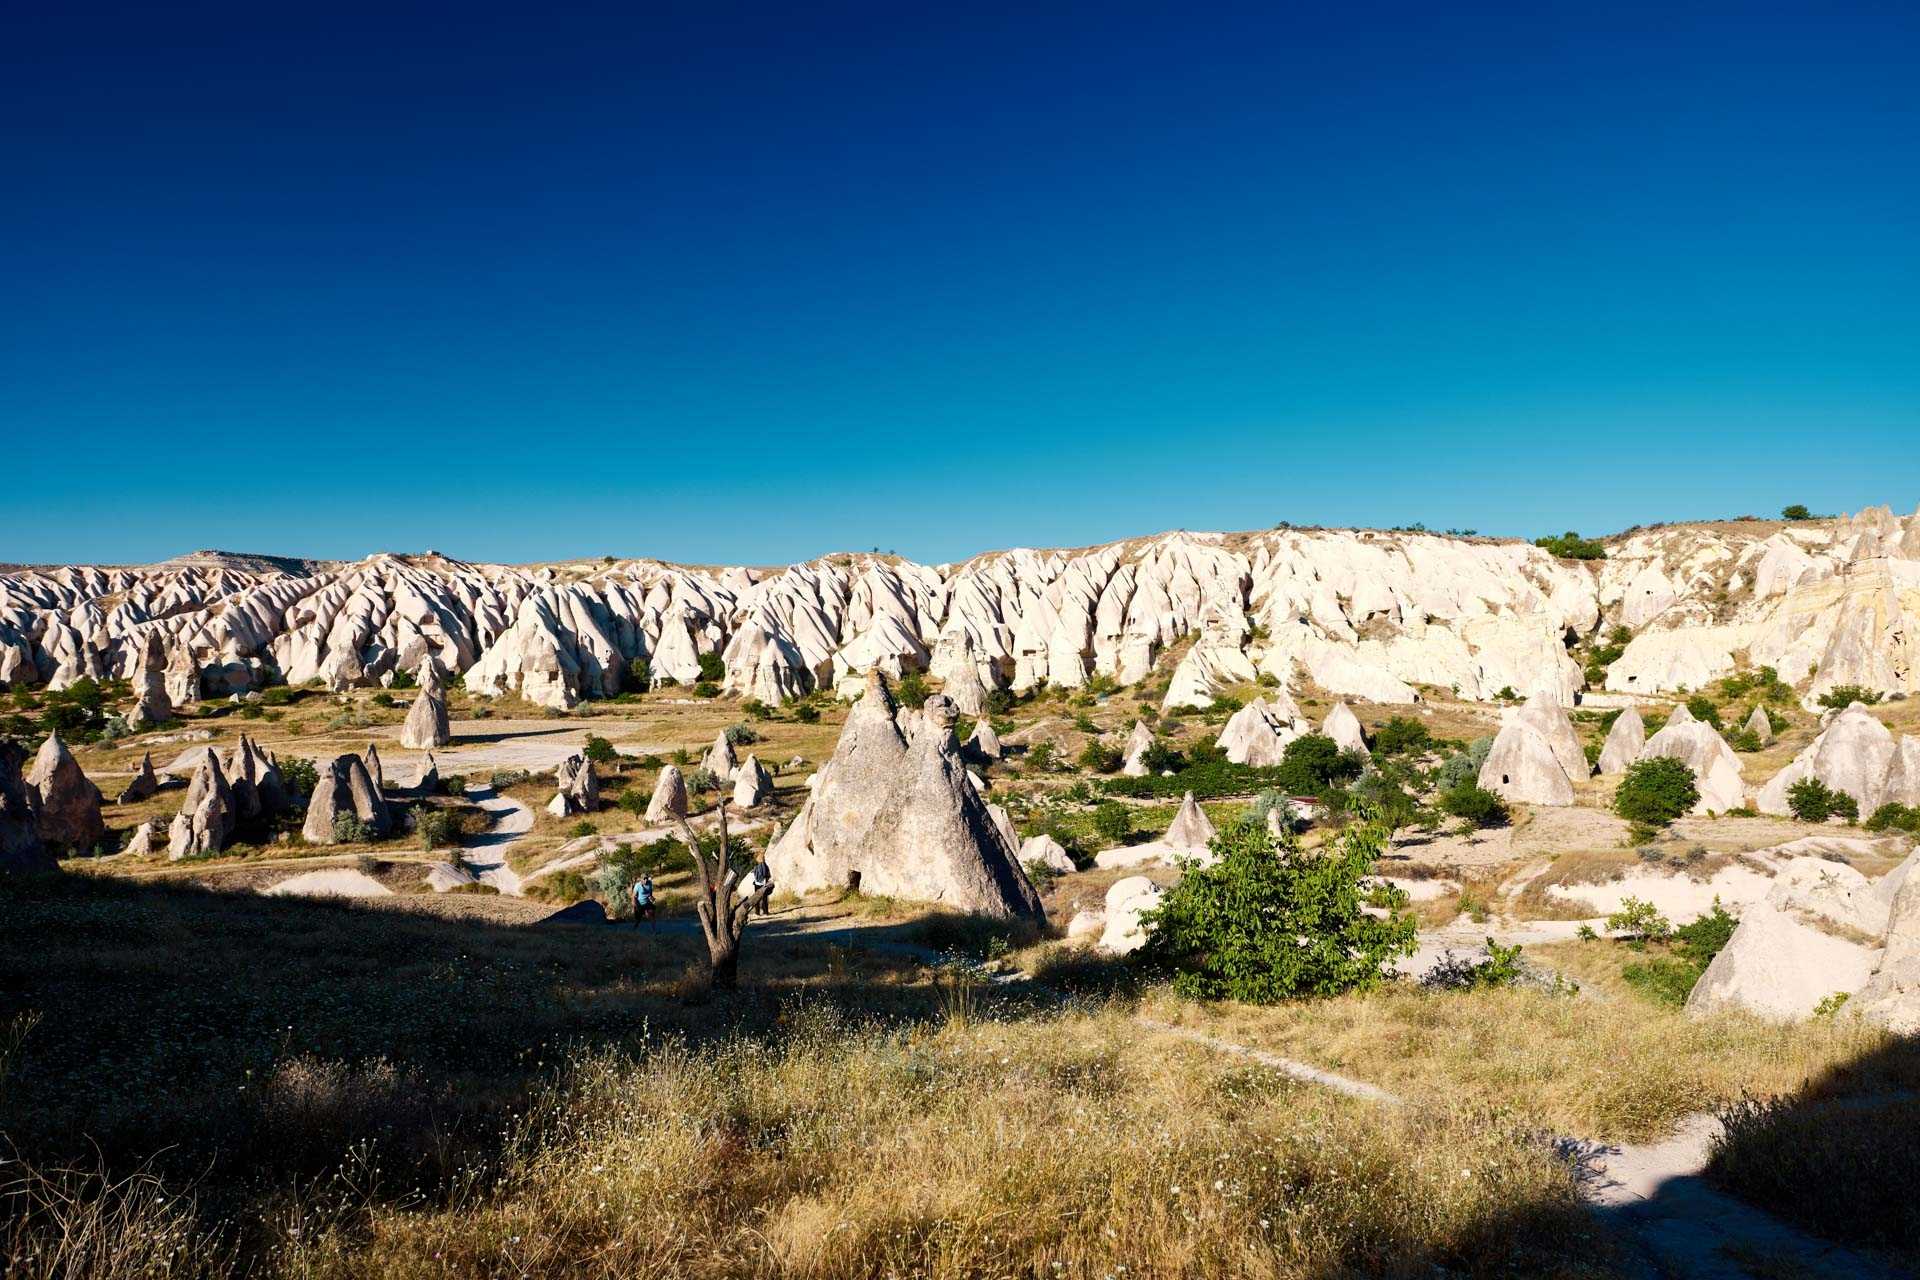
x: 722, y: 919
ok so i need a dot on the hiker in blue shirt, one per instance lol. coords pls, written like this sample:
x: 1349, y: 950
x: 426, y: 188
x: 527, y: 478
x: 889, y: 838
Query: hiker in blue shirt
x: 643, y: 902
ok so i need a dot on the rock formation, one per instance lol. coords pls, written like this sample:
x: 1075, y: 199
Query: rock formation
x: 427, y: 724
x: 579, y: 787
x: 752, y: 784
x: 983, y: 743
x: 254, y: 776
x: 1191, y: 830
x: 965, y: 687
x: 1127, y: 901
x: 345, y: 787
x: 720, y: 759
x: 375, y: 767
x: 68, y: 804
x: 1624, y: 742
x: 153, y: 705
x: 1047, y: 852
x: 426, y: 779
x: 145, y: 783
x: 1139, y: 741
x: 669, y: 799
x: 1257, y: 734
x: 900, y: 819
x: 204, y: 824
x: 1856, y: 754
x: 1532, y: 757
x: 1760, y: 725
x: 21, y: 848
x: 1716, y: 770
x: 1344, y: 728
x: 147, y: 839
x: 182, y: 676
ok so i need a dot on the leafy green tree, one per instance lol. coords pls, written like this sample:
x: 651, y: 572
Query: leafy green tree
x: 1401, y: 736
x: 713, y: 669
x: 1100, y: 758
x: 1268, y: 922
x: 1113, y: 821
x: 1571, y: 546
x: 1842, y: 696
x: 1473, y: 803
x: 1655, y: 792
x: 599, y: 750
x: 1812, y: 800
x: 1796, y: 511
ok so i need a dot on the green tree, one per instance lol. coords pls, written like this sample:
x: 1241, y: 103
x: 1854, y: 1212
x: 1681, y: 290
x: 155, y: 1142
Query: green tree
x: 1473, y: 803
x: 600, y: 751
x: 1267, y: 922
x: 1655, y: 792
x: 1113, y: 821
x: 1796, y: 511
x: 713, y: 669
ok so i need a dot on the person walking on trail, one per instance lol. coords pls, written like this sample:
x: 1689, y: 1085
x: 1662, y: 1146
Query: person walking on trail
x: 762, y: 884
x: 643, y: 905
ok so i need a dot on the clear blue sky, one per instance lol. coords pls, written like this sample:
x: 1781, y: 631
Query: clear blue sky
x: 723, y: 283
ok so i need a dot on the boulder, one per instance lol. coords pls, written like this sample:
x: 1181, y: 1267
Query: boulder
x: 147, y: 839
x: 1760, y: 725
x: 205, y: 822
x: 579, y: 787
x: 720, y: 760
x: 1191, y: 830
x: 1086, y: 923
x: 1624, y: 742
x: 983, y: 743
x: 900, y: 819
x: 1549, y: 719
x: 21, y: 848
x: 145, y: 783
x: 1716, y: 770
x: 1522, y: 766
x: 1045, y: 851
x: 1780, y: 964
x: 1127, y: 901
x: 67, y: 803
x: 1344, y: 728
x: 427, y: 725
x: 669, y: 799
x: 964, y: 686
x: 752, y: 784
x: 426, y: 779
x: 1139, y: 740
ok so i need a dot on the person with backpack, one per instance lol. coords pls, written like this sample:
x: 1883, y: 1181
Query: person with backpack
x: 643, y: 904
x: 762, y: 884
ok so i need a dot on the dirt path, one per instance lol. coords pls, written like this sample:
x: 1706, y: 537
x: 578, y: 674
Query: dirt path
x: 486, y: 854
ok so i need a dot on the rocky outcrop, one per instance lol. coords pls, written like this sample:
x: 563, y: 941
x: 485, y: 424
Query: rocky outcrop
x: 182, y: 676
x: 254, y: 776
x: 752, y: 784
x: 1139, y: 741
x: 148, y: 838
x: 1045, y: 851
x: 1127, y: 900
x: 1191, y: 831
x: 21, y: 848
x: 345, y: 787
x: 1824, y: 932
x: 983, y: 743
x: 669, y: 800
x: 1856, y: 754
x: 902, y: 820
x: 578, y: 787
x: 68, y: 804
x: 427, y: 725
x: 152, y: 703
x: 720, y: 759
x: 1625, y: 740
x: 1344, y: 728
x: 1716, y: 770
x: 145, y: 783
x: 1257, y: 734
x: 1760, y: 725
x: 1536, y: 757
x: 205, y: 822
x: 376, y: 767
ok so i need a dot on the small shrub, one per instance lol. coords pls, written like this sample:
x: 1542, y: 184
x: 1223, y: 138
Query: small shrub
x: 1655, y: 792
x: 1640, y: 919
x: 912, y: 690
x: 756, y: 709
x: 599, y: 750
x: 1100, y: 758
x: 503, y: 778
x: 383, y: 699
x: 1475, y: 804
x: 348, y: 829
x: 638, y: 676
x: 1895, y: 817
x: 1267, y: 922
x: 1401, y: 735
x: 1842, y: 696
x: 1795, y: 511
x: 1812, y: 800
x: 742, y: 735
x: 1113, y: 821
x: 583, y: 828
x: 1703, y: 709
x: 299, y: 774
x: 1571, y: 546
x: 1499, y: 967
x: 1043, y: 757
x: 712, y: 668
x: 706, y: 689
x: 701, y: 780
x: 433, y: 826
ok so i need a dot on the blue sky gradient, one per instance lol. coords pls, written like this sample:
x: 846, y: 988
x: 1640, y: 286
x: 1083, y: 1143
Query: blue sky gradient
x: 726, y: 283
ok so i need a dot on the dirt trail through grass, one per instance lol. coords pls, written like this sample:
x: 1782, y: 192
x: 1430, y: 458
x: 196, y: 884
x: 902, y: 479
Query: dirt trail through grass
x: 487, y: 852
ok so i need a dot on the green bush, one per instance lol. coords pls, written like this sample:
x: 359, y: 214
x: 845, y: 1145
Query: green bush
x: 912, y: 690
x: 299, y: 774
x: 1401, y: 736
x: 1475, y: 804
x: 742, y: 735
x: 1641, y: 919
x: 706, y: 689
x: 712, y: 668
x: 1812, y: 800
x: 638, y: 676
x: 1655, y: 792
x: 1704, y: 710
x: 433, y: 826
x: 1795, y: 511
x: 348, y: 829
x: 1842, y: 696
x: 1463, y: 769
x: 583, y: 828
x: 600, y: 751
x: 1100, y: 758
x: 756, y: 709
x: 1267, y: 922
x: 1895, y: 817
x: 1113, y: 821
x: 1571, y: 546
